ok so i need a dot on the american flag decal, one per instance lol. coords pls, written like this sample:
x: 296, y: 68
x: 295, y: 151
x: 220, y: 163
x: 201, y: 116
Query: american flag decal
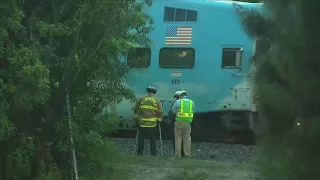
x: 178, y: 35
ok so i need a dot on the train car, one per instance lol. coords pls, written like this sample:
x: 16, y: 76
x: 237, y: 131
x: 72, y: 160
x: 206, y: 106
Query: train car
x: 200, y: 47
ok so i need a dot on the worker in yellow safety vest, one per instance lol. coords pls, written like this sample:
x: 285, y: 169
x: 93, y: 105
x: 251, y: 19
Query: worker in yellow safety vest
x: 171, y: 122
x: 184, y: 108
x: 149, y: 111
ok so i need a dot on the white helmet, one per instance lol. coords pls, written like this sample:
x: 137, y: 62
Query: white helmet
x: 183, y: 93
x: 176, y: 94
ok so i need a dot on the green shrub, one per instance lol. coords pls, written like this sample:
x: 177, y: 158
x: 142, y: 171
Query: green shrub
x: 286, y: 80
x: 51, y: 49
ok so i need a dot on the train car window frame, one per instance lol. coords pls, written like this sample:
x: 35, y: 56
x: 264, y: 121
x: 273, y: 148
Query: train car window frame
x: 163, y: 58
x: 139, y: 65
x: 169, y: 14
x: 191, y: 15
x: 180, y: 15
x: 237, y: 59
x: 172, y: 14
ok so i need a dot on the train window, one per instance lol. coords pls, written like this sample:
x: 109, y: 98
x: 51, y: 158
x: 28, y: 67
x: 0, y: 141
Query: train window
x: 180, y: 15
x: 231, y: 58
x: 177, y: 57
x: 191, y: 15
x: 139, y: 58
x: 169, y: 14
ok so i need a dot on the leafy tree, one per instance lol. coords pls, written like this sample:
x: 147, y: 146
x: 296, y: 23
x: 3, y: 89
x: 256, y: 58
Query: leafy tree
x: 49, y: 48
x: 286, y: 79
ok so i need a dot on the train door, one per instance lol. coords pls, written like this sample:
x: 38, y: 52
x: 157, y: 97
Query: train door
x: 232, y: 58
x: 239, y: 103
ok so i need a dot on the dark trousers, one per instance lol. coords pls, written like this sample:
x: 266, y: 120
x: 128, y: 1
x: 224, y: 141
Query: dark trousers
x: 147, y: 133
x: 173, y: 139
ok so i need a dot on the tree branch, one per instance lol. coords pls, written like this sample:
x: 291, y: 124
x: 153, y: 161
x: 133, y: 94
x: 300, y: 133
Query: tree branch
x: 89, y: 58
x: 55, y: 17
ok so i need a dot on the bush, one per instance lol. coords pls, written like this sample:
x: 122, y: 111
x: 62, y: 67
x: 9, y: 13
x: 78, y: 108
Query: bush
x: 51, y: 49
x: 286, y: 80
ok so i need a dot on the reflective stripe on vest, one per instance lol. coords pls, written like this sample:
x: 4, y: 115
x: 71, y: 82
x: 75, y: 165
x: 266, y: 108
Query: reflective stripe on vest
x: 185, y: 114
x: 148, y: 122
x: 148, y: 107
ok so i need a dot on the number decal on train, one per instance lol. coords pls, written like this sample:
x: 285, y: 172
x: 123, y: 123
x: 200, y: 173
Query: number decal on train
x: 175, y: 81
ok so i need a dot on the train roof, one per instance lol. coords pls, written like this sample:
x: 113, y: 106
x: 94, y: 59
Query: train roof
x: 208, y: 4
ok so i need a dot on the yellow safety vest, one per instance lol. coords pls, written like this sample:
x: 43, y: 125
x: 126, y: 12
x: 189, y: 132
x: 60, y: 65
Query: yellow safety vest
x: 150, y: 121
x: 186, y: 111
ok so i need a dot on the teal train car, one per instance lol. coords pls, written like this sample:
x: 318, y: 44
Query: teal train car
x: 200, y: 47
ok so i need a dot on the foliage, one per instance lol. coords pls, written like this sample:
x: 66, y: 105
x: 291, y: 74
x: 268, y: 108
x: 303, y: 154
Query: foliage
x: 286, y: 79
x: 49, y: 48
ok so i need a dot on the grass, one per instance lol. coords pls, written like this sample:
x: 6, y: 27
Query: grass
x: 176, y: 162
x: 164, y: 161
x: 183, y: 169
x: 120, y: 174
x: 124, y: 166
x: 187, y: 175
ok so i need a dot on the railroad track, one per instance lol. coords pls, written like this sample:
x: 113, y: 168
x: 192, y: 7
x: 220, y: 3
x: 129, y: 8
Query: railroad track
x: 221, y: 152
x: 242, y: 137
x: 210, y: 130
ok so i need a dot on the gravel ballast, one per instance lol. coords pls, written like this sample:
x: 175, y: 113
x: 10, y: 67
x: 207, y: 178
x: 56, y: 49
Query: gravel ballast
x: 233, y: 153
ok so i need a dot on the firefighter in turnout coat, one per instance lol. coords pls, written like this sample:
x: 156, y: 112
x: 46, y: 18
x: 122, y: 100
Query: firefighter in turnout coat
x: 149, y: 111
